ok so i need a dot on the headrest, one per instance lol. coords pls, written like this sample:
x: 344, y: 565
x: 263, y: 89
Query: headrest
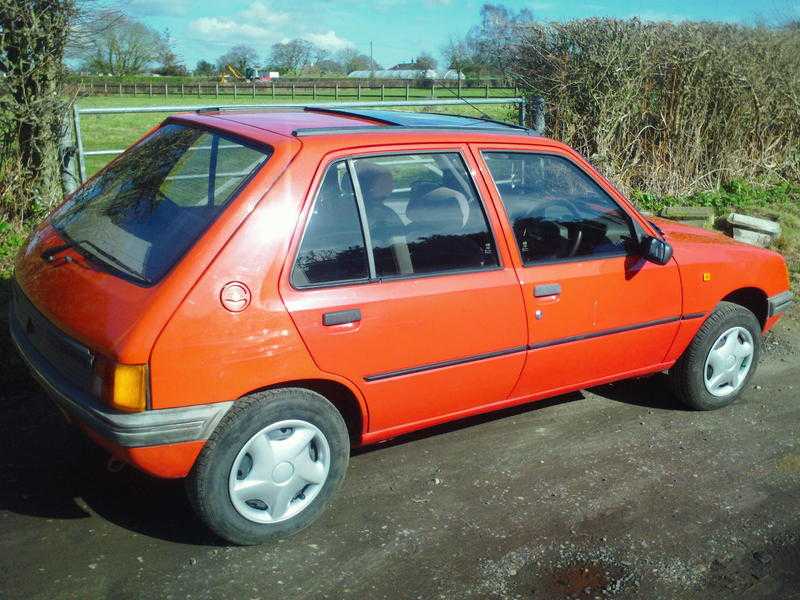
x: 442, y: 207
x: 376, y: 182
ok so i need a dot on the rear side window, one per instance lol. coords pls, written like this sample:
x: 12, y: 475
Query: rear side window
x: 424, y: 215
x: 142, y: 213
x: 333, y: 248
x: 405, y: 215
x: 556, y: 210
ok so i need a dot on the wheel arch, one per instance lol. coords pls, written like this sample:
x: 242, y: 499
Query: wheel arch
x: 346, y: 401
x: 753, y: 299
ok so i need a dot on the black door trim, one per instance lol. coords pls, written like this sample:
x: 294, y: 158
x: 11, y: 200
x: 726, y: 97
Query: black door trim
x: 445, y: 363
x: 602, y: 333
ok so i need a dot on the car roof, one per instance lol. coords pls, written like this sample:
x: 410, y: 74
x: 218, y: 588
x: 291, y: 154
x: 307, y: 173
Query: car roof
x: 327, y: 121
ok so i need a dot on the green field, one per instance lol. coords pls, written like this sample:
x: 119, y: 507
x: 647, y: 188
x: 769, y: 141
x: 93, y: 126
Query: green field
x: 118, y: 131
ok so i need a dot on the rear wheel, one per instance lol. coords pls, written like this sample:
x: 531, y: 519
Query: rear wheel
x: 721, y: 359
x: 271, y: 466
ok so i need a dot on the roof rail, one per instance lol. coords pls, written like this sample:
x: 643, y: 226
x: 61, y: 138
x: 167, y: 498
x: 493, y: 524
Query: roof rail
x: 309, y: 131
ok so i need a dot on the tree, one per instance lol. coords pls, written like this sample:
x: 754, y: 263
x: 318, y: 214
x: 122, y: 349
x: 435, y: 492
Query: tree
x: 351, y: 60
x: 425, y: 61
x: 240, y: 57
x: 327, y: 66
x: 124, y: 47
x: 488, y: 47
x: 33, y: 39
x: 171, y: 63
x: 292, y: 56
x: 204, y: 69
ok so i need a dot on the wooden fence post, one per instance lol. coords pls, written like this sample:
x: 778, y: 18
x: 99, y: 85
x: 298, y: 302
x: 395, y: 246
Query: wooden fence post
x: 120, y: 89
x: 292, y: 91
x: 134, y: 90
x: 433, y: 90
x: 408, y: 89
x: 273, y: 90
x: 216, y: 90
x: 151, y: 89
x: 382, y: 92
x: 166, y: 91
x: 359, y: 92
x: 234, y: 92
x: 336, y: 91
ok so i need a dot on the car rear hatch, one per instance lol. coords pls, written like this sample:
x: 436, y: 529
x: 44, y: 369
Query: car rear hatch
x: 106, y: 271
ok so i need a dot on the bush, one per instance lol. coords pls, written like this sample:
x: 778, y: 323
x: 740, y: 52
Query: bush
x: 669, y: 108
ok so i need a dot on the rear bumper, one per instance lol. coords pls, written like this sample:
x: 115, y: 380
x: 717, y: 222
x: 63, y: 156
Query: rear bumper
x: 779, y: 303
x: 127, y: 430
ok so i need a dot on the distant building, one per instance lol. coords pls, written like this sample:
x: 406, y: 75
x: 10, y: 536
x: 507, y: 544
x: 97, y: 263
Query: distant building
x: 395, y: 73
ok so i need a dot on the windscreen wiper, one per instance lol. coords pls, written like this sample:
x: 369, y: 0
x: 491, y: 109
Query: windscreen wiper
x: 51, y: 253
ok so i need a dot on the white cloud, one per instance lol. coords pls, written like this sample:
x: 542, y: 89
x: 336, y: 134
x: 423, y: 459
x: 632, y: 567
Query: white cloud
x: 328, y: 41
x: 256, y: 23
x: 263, y: 14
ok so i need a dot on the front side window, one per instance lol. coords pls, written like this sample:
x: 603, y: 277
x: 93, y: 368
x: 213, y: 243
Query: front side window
x: 333, y: 249
x: 141, y: 214
x: 556, y: 210
x: 423, y: 214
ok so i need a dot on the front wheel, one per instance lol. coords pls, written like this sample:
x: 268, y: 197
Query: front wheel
x: 271, y: 466
x: 721, y: 359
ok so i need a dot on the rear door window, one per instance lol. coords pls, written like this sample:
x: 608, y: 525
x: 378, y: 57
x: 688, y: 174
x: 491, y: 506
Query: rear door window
x: 141, y: 214
x: 424, y: 215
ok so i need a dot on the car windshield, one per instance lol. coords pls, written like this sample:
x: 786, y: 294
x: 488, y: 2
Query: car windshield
x: 142, y: 213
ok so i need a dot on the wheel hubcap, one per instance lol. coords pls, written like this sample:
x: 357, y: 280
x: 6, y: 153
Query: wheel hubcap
x: 279, y: 471
x: 729, y: 361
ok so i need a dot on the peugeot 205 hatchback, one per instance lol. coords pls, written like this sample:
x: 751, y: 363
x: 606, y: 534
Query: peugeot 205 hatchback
x: 241, y: 296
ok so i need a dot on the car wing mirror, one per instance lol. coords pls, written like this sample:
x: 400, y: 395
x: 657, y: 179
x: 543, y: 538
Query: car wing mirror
x: 655, y: 250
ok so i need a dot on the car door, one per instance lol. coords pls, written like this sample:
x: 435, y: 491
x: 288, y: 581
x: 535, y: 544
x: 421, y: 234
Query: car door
x: 400, y: 286
x: 596, y: 310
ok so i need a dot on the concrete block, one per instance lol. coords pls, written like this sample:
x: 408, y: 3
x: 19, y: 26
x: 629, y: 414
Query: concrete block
x: 754, y: 238
x: 755, y: 224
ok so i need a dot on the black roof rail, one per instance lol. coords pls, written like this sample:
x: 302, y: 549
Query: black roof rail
x: 309, y: 131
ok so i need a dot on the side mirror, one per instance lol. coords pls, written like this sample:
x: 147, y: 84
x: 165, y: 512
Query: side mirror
x: 655, y: 250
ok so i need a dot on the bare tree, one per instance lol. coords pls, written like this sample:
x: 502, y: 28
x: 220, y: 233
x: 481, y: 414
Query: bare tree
x: 425, y: 61
x: 122, y: 46
x: 240, y: 57
x: 352, y: 60
x: 292, y: 56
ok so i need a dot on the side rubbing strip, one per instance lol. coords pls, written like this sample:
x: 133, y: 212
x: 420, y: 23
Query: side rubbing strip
x: 604, y: 332
x: 692, y: 316
x: 444, y: 363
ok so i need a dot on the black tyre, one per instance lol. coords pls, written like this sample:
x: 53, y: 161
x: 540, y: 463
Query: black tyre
x: 719, y: 363
x: 271, y: 466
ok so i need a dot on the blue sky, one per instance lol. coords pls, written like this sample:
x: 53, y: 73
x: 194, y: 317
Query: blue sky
x: 398, y: 28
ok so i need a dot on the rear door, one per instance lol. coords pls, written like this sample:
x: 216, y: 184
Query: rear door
x: 595, y: 309
x: 398, y: 284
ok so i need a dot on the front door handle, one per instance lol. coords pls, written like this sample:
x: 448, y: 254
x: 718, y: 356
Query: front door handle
x: 341, y: 317
x: 547, y: 289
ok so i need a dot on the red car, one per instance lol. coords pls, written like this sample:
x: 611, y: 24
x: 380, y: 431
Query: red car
x: 242, y: 296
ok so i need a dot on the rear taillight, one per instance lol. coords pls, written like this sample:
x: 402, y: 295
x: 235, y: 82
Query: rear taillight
x: 123, y: 387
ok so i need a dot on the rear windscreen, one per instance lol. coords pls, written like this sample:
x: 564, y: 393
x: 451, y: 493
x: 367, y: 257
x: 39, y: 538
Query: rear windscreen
x: 141, y: 214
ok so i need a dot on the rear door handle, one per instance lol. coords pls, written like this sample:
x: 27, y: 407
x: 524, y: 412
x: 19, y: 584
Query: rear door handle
x: 341, y: 317
x: 547, y: 289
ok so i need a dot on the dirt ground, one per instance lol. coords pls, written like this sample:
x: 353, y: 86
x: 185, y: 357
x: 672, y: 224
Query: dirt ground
x: 617, y: 492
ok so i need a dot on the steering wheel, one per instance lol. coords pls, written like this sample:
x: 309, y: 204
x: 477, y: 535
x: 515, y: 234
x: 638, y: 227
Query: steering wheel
x: 574, y: 230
